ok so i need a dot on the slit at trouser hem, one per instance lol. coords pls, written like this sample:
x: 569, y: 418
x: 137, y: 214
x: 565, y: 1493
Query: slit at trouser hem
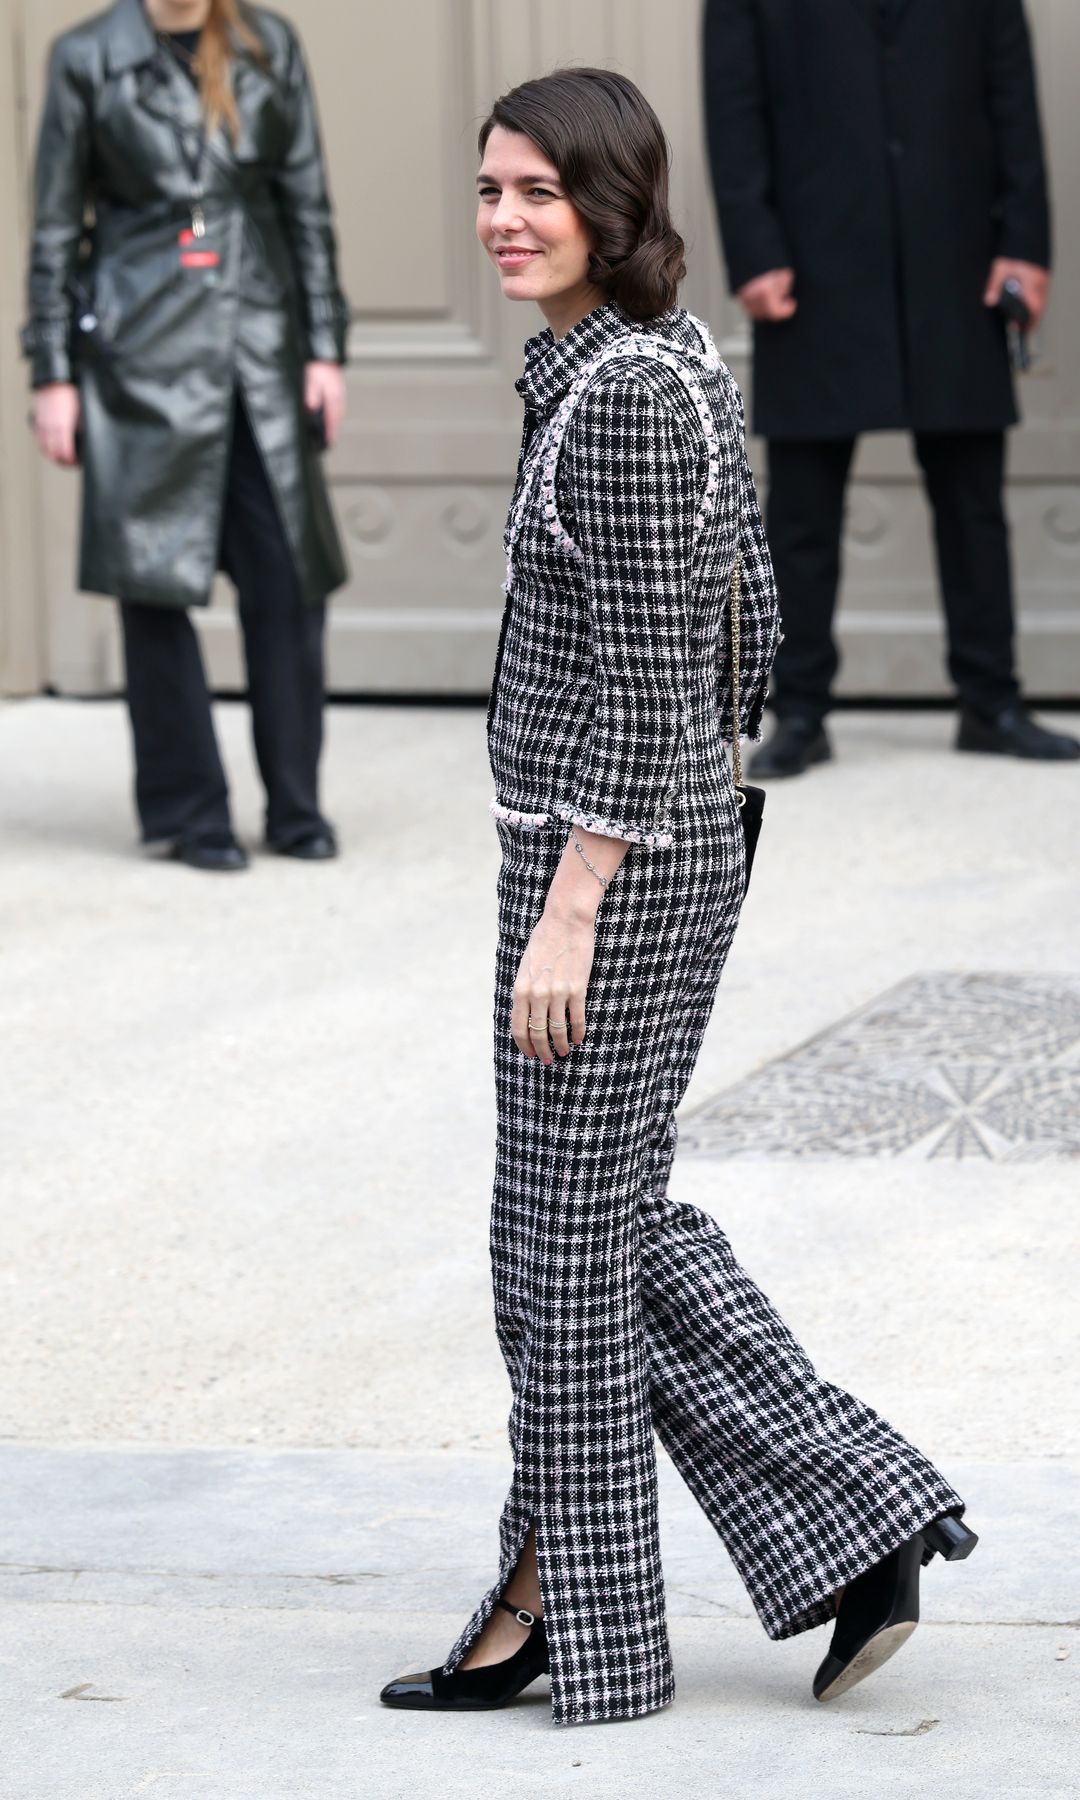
x: 511, y: 1556
x: 566, y: 1707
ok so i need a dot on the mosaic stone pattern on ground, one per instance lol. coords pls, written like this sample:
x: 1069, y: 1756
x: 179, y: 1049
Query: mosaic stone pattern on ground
x: 944, y: 1065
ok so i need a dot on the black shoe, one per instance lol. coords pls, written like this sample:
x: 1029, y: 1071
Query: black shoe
x: 319, y: 847
x: 879, y: 1610
x: 221, y: 855
x: 475, y: 1690
x: 794, y: 747
x: 1013, y: 732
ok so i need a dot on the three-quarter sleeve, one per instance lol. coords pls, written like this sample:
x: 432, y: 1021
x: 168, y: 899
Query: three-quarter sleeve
x: 304, y: 198
x: 61, y: 180
x: 633, y: 472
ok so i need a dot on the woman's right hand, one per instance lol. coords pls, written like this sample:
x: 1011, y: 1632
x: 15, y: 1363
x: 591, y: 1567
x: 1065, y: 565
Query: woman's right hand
x: 552, y: 979
x: 57, y: 412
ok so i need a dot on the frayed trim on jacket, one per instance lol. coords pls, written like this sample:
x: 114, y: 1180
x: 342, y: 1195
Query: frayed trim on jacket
x: 526, y: 821
x: 655, y: 839
x: 569, y: 815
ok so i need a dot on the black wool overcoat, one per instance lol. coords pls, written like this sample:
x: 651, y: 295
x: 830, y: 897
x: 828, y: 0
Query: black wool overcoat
x: 887, y: 151
x: 159, y: 348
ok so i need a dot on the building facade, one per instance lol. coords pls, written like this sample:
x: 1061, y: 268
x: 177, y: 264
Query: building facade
x: 422, y: 473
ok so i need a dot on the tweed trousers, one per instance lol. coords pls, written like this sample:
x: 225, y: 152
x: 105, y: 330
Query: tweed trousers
x: 620, y: 1312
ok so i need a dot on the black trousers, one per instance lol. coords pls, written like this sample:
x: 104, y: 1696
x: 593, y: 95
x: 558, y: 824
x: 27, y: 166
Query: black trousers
x: 180, y: 789
x: 964, y: 474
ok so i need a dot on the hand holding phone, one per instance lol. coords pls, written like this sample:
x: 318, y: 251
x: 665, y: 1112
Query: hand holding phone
x: 1019, y: 291
x: 1016, y: 313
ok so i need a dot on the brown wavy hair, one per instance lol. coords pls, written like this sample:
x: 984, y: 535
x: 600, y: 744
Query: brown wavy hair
x: 224, y: 25
x: 614, y: 161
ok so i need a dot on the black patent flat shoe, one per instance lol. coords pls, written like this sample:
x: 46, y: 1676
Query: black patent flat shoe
x: 879, y: 1610
x: 475, y: 1690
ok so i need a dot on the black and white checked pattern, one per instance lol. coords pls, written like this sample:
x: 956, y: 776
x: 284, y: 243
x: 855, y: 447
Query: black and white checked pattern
x: 619, y: 1312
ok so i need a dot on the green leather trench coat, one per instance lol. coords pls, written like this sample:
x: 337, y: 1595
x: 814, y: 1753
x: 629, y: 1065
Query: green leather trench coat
x: 160, y: 349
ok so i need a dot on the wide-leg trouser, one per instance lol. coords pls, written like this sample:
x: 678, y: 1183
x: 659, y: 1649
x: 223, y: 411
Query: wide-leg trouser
x: 619, y: 1311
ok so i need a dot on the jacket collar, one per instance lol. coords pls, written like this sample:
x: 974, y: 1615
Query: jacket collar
x: 551, y: 365
x: 131, y: 40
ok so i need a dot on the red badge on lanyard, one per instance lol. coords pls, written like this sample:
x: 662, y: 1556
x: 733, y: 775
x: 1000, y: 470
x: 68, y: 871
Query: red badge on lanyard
x: 195, y: 252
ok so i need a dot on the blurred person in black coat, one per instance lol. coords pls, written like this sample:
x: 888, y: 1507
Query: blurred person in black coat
x: 879, y: 176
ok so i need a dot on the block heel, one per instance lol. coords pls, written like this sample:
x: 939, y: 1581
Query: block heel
x: 950, y: 1537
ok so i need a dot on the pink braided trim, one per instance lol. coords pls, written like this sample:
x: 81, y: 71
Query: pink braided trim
x: 509, y: 815
x: 654, y: 840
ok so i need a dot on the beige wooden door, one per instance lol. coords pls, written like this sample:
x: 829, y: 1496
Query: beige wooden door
x: 422, y: 475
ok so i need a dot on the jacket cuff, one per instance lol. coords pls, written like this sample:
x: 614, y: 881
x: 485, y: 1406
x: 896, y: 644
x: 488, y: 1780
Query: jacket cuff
x: 327, y: 327
x: 1021, y: 245
x: 44, y: 343
x: 657, y: 836
x: 512, y: 815
x: 753, y: 247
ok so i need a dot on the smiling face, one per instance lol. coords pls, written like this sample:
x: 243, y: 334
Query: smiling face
x: 533, y: 234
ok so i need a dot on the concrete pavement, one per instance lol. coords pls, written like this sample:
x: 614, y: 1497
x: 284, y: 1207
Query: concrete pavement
x: 217, y: 1624
x: 246, y: 1167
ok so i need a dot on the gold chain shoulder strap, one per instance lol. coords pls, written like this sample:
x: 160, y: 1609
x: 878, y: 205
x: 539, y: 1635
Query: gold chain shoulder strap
x: 735, y: 608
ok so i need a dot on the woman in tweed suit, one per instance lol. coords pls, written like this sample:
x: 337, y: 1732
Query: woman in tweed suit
x: 621, y: 1313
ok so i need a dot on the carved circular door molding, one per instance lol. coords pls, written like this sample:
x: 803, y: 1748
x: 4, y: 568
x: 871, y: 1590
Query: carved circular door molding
x: 1061, y: 522
x: 369, y: 518
x: 869, y: 519
x: 466, y: 519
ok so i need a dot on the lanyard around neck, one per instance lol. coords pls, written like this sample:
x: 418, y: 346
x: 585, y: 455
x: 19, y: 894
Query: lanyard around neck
x: 191, y: 144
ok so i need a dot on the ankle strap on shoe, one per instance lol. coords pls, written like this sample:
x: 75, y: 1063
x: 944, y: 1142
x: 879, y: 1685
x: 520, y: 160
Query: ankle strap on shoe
x: 520, y: 1613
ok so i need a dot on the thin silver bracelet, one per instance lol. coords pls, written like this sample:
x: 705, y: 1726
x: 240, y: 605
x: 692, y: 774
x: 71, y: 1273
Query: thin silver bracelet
x: 592, y: 868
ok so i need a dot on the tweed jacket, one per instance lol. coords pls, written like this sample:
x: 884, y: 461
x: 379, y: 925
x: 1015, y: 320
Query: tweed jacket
x: 633, y: 499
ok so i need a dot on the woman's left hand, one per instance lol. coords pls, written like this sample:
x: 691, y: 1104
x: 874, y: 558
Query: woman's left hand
x: 324, y: 389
